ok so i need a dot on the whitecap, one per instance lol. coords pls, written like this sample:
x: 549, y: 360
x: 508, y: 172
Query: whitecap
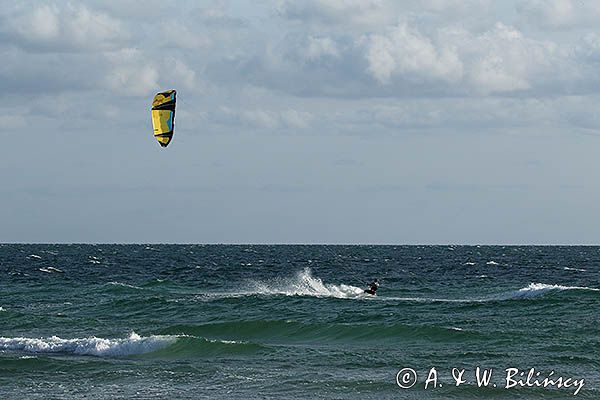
x: 574, y: 269
x: 115, y: 283
x: 226, y: 341
x: 534, y: 290
x: 305, y: 284
x: 50, y: 270
x: 94, y: 346
x: 301, y: 284
x: 492, y: 263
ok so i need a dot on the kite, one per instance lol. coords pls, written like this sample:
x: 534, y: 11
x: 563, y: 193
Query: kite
x: 163, y: 116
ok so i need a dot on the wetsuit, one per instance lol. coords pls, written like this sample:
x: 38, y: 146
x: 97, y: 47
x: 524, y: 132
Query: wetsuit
x: 373, y: 286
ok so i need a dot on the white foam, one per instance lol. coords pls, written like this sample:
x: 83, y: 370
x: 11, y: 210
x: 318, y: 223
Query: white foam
x: 50, y: 270
x: 574, y: 269
x: 115, y: 283
x: 492, y: 263
x: 134, y: 344
x: 225, y: 341
x: 34, y: 256
x: 305, y: 284
x: 539, y: 289
x: 2, y: 309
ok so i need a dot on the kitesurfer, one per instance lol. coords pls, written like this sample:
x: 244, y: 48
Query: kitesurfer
x: 373, y: 286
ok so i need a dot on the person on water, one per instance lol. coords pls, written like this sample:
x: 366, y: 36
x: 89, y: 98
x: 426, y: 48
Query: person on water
x: 373, y: 286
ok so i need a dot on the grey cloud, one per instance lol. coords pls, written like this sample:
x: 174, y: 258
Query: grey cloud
x: 559, y: 14
x: 342, y: 12
x: 262, y: 118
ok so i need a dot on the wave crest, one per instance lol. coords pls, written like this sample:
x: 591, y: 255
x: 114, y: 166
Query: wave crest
x: 534, y: 290
x: 134, y: 344
x: 305, y: 284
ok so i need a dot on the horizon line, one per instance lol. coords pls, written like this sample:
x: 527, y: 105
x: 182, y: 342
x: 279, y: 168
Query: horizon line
x: 302, y: 244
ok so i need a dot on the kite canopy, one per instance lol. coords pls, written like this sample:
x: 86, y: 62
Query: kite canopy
x: 163, y: 116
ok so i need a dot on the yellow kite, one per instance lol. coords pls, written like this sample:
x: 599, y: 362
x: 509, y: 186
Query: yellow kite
x: 163, y: 116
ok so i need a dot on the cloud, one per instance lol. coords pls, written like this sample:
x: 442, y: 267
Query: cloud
x: 263, y: 118
x: 62, y: 28
x: 177, y: 35
x: 132, y: 72
x: 354, y: 66
x: 506, y: 61
x: 336, y: 12
x: 321, y: 47
x: 559, y: 14
x: 405, y: 52
x: 407, y: 61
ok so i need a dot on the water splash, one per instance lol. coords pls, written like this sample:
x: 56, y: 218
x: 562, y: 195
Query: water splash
x: 305, y: 284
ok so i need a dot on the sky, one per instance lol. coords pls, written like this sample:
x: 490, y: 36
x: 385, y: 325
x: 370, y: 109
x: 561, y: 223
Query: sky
x: 316, y: 121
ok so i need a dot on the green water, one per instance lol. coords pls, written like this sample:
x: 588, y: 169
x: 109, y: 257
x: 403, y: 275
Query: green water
x: 193, y: 321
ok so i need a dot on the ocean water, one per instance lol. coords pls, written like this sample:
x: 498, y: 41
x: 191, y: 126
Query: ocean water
x: 258, y: 322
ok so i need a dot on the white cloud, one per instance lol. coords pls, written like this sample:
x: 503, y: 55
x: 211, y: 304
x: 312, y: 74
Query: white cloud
x: 63, y: 28
x: 499, y: 60
x: 406, y: 53
x: 506, y: 61
x: 406, y: 61
x: 182, y: 74
x: 132, y: 73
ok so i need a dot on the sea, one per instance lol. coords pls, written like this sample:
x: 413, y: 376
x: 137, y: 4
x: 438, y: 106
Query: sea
x: 148, y: 321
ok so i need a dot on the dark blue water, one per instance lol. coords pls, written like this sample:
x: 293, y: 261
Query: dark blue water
x: 194, y: 321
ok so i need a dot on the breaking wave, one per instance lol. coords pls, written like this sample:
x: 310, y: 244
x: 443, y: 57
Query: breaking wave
x: 535, y: 290
x: 94, y: 346
x: 305, y: 284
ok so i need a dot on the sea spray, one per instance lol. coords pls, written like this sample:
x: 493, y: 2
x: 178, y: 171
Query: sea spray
x: 305, y: 284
